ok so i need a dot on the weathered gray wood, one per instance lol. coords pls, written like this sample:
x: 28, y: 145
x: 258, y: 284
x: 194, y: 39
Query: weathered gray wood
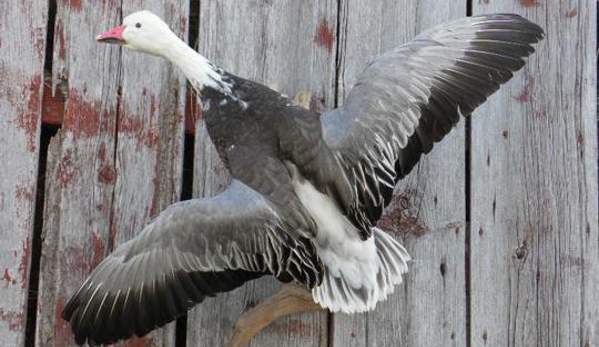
x: 22, y: 46
x: 79, y: 195
x: 118, y: 157
x: 534, y: 249
x: 428, y: 211
x: 290, y: 46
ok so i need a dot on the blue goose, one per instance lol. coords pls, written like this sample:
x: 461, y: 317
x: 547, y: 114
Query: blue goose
x: 307, y: 188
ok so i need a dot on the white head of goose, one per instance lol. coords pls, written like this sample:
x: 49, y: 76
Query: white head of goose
x: 307, y: 189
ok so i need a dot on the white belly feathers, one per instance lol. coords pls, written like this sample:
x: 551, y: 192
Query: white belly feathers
x: 358, y: 273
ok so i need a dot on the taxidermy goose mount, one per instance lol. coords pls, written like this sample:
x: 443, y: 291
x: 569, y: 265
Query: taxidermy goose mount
x: 307, y: 189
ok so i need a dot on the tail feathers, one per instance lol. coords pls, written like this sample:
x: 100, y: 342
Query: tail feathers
x: 337, y: 295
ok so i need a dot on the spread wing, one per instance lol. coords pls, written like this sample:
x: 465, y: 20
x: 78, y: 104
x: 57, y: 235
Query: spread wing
x: 409, y: 98
x: 192, y: 250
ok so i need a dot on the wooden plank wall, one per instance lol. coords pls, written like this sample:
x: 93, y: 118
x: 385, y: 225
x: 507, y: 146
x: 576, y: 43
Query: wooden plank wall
x: 22, y: 47
x: 117, y: 158
x: 534, y: 275
x: 501, y: 218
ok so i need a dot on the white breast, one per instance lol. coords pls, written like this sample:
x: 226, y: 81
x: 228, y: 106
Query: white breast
x: 337, y: 242
x: 358, y: 274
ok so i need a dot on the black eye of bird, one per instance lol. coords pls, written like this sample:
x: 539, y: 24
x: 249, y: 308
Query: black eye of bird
x: 138, y: 25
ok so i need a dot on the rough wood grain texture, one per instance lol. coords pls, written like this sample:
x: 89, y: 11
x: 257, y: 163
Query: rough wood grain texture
x: 290, y: 46
x: 119, y: 156
x: 428, y: 211
x: 22, y: 46
x: 535, y: 271
x: 79, y: 195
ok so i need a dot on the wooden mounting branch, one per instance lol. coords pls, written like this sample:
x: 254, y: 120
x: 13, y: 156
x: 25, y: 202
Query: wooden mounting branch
x: 291, y: 299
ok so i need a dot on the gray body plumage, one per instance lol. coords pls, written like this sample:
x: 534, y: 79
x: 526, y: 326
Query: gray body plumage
x: 289, y: 165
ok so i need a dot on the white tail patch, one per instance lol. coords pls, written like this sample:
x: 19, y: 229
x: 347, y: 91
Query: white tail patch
x: 338, y: 295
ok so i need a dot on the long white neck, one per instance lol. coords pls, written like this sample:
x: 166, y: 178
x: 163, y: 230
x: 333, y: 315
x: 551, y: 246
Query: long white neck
x: 200, y: 71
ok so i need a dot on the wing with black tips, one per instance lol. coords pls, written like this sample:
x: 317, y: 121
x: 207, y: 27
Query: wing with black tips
x: 192, y: 250
x: 411, y: 97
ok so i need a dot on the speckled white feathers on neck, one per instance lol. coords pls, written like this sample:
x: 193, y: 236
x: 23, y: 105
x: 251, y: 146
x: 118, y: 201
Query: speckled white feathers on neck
x: 200, y: 71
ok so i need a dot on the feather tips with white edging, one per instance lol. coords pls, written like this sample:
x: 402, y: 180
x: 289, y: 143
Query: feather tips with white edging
x: 338, y: 295
x: 411, y: 97
x: 192, y: 250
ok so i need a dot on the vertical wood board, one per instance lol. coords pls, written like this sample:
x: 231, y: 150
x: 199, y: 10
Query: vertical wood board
x: 78, y: 201
x: 428, y: 211
x: 117, y: 162
x: 128, y: 160
x: 534, y: 260
x: 22, y: 47
x: 289, y: 46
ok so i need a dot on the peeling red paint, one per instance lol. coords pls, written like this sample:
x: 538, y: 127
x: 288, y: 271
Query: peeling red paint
x: 76, y: 258
x: 183, y: 27
x: 401, y: 217
x: 27, y: 193
x: 28, y: 118
x: 62, y: 332
x: 82, y: 118
x: 38, y: 36
x: 107, y: 174
x: 525, y: 94
x: 8, y: 279
x: 112, y: 234
x: 60, y: 35
x: 528, y: 3
x: 153, y: 105
x: 15, y: 320
x: 66, y: 170
x: 102, y: 152
x: 98, y: 250
x: 130, y: 125
x: 75, y: 4
x: 52, y: 106
x: 325, y: 36
x: 193, y: 113
x: 572, y: 13
x: 24, y: 264
x: 150, y: 139
x: 136, y: 128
